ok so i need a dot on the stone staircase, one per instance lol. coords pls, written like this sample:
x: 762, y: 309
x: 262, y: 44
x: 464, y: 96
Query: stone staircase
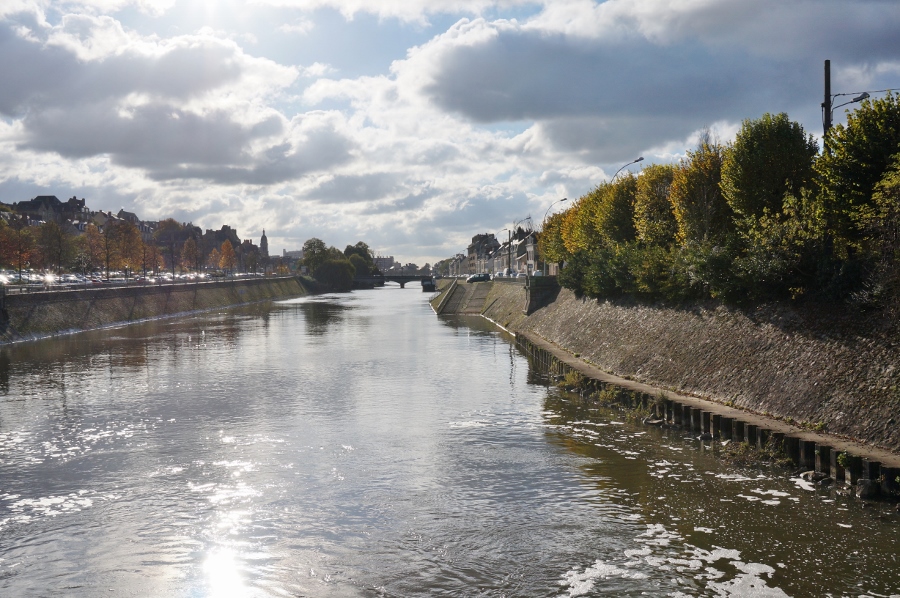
x: 466, y: 298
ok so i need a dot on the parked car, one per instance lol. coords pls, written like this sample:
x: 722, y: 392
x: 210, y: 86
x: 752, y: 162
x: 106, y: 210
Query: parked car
x: 537, y: 273
x: 482, y: 277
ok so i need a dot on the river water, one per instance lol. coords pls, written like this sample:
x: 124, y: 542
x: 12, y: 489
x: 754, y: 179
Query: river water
x: 358, y: 445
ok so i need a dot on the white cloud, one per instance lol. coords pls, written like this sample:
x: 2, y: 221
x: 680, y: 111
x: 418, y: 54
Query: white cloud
x: 301, y: 26
x: 148, y: 7
x: 514, y: 106
x: 316, y: 70
x: 416, y: 11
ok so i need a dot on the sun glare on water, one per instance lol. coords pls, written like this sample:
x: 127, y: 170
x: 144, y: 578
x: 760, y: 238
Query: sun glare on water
x: 223, y: 575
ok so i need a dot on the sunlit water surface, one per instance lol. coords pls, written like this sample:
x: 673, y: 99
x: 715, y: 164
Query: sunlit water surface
x: 357, y: 445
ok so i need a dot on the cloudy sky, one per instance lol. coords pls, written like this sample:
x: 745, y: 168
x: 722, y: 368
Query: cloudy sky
x: 409, y: 124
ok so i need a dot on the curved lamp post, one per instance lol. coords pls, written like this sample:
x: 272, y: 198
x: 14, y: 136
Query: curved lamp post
x: 830, y: 119
x: 639, y: 159
x: 548, y: 210
x: 828, y: 106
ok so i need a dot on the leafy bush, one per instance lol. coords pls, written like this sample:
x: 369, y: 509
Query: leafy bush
x: 336, y: 274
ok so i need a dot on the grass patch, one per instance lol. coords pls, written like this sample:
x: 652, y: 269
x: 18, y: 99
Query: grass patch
x: 744, y: 454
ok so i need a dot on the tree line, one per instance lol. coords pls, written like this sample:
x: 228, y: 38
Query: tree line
x: 116, y: 246
x: 334, y: 268
x: 765, y: 217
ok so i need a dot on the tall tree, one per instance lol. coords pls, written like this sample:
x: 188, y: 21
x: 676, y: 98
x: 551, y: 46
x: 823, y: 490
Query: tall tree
x: 614, y: 215
x: 93, y: 246
x: 362, y: 250
x: 167, y: 236
x: 855, y: 159
x: 550, y: 242
x: 360, y: 266
x: 16, y: 244
x: 252, y: 260
x: 227, y: 257
x: 130, y: 247
x: 336, y: 273
x: 110, y: 245
x: 190, y: 255
x: 315, y: 252
x: 880, y: 223
x: 771, y: 157
x: 212, y: 260
x: 702, y: 213
x: 579, y: 228
x: 151, y: 258
x: 53, y: 245
x: 654, y: 220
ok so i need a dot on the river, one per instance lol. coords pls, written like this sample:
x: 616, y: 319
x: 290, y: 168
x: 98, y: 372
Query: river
x: 358, y: 445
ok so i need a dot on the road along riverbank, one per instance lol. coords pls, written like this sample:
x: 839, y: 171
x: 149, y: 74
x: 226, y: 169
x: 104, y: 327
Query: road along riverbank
x: 822, y: 385
x: 39, y: 315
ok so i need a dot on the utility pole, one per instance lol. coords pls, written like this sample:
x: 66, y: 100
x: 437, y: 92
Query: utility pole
x: 826, y: 105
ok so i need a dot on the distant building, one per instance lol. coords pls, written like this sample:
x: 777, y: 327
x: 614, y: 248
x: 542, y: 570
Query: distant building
x: 479, y: 249
x: 384, y: 263
x: 294, y: 255
x: 264, y: 246
x: 128, y: 216
x: 50, y: 209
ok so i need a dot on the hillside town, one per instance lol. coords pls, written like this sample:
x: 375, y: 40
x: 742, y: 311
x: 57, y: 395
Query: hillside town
x: 46, y: 235
x: 46, y: 239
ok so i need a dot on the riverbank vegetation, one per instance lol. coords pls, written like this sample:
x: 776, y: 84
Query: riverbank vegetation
x: 334, y: 269
x: 114, y: 247
x: 766, y: 217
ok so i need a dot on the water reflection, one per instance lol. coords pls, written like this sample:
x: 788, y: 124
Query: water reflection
x: 728, y: 531
x: 223, y: 574
x: 356, y: 445
x: 470, y: 325
x: 321, y: 315
x: 5, y: 362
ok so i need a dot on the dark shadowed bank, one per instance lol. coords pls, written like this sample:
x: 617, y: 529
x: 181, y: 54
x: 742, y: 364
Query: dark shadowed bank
x: 38, y: 315
x: 823, y: 370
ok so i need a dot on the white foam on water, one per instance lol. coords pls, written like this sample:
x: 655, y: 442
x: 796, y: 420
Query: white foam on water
x: 582, y: 582
x: 749, y: 584
x: 804, y: 484
x: 776, y: 493
x: 733, y: 477
x: 660, y: 551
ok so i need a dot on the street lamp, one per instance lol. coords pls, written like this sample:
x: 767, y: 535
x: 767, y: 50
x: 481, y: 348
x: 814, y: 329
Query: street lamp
x: 830, y: 118
x: 828, y: 106
x: 639, y: 159
x: 548, y: 210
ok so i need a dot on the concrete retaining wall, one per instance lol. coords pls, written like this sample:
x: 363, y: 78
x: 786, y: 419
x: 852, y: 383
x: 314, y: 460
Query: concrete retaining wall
x: 37, y: 315
x: 816, y: 371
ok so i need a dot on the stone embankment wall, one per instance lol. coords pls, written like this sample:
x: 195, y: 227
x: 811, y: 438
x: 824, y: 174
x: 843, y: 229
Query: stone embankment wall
x: 827, y: 371
x: 38, y: 315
